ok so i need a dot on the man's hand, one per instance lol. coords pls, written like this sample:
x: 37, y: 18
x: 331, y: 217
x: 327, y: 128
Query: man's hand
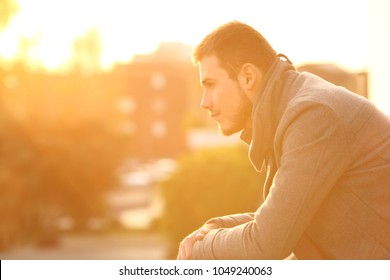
x: 185, y: 248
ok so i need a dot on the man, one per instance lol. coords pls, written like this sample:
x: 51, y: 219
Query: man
x: 326, y: 151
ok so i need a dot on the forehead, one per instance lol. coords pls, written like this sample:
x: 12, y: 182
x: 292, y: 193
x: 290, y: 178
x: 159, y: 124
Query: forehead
x: 210, y: 68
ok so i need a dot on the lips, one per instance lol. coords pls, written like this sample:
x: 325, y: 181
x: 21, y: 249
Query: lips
x: 214, y: 114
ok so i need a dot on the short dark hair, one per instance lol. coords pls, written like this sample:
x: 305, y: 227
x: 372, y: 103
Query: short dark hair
x: 235, y: 44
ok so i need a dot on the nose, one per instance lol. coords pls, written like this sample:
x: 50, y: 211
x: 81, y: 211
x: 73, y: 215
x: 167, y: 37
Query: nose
x: 206, y: 102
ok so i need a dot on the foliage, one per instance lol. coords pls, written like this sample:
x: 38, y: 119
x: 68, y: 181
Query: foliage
x: 209, y: 183
x: 53, y: 172
x: 7, y: 9
x: 60, y: 148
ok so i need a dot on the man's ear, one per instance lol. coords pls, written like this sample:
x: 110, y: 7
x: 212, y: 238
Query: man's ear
x: 247, y: 76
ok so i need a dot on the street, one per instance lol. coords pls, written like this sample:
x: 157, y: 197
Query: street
x: 133, y: 246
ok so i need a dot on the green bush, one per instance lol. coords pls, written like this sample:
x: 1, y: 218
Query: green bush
x: 206, y: 184
x: 51, y: 171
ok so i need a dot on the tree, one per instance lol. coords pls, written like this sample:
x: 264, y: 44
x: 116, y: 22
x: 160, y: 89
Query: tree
x: 8, y: 8
x: 86, y: 52
x: 60, y: 149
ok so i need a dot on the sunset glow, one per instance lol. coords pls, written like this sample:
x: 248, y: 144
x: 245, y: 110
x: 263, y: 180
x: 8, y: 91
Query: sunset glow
x: 113, y: 143
x: 330, y: 31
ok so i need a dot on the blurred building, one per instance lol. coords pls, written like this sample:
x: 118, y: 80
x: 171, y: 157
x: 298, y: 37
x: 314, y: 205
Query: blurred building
x: 155, y: 97
x: 355, y: 82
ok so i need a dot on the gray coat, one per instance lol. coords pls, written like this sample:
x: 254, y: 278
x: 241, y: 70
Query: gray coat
x: 327, y: 155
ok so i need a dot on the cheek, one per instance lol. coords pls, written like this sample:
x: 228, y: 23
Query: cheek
x: 218, y: 97
x: 227, y: 96
x: 222, y: 95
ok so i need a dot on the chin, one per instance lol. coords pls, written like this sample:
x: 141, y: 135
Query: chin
x: 228, y: 131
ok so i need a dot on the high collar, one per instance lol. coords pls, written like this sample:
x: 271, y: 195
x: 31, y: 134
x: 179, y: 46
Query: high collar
x: 266, y: 112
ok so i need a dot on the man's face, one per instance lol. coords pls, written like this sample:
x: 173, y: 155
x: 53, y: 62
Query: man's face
x: 223, y: 97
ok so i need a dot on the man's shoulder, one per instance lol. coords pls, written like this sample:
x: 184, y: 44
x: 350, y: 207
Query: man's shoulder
x: 310, y: 90
x: 310, y: 93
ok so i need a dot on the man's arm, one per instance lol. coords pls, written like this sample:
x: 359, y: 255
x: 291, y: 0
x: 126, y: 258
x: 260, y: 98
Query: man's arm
x: 229, y: 221
x: 315, y: 152
x: 185, y: 248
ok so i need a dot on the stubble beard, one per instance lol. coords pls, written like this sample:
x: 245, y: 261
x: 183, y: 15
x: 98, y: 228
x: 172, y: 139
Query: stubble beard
x: 238, y: 119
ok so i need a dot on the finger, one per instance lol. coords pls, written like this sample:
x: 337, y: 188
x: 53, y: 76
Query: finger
x: 200, y: 236
x: 188, y: 250
x: 179, y: 254
x: 202, y: 233
x: 182, y: 252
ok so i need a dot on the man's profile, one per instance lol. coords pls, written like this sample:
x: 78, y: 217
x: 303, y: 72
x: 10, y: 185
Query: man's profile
x: 326, y: 151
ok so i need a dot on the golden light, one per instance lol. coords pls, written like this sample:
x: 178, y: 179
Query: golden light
x: 302, y: 29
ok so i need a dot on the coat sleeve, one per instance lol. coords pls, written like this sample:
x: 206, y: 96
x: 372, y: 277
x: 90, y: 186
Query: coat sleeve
x: 314, y: 151
x: 231, y: 220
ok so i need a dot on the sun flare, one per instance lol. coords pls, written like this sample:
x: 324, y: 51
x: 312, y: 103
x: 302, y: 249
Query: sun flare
x: 49, y: 28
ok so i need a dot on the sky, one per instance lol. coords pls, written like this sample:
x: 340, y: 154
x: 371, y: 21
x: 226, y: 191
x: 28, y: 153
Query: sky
x: 354, y: 34
x: 305, y: 30
x: 378, y: 54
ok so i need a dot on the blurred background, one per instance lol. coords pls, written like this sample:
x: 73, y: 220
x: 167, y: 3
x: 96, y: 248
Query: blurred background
x: 104, y: 150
